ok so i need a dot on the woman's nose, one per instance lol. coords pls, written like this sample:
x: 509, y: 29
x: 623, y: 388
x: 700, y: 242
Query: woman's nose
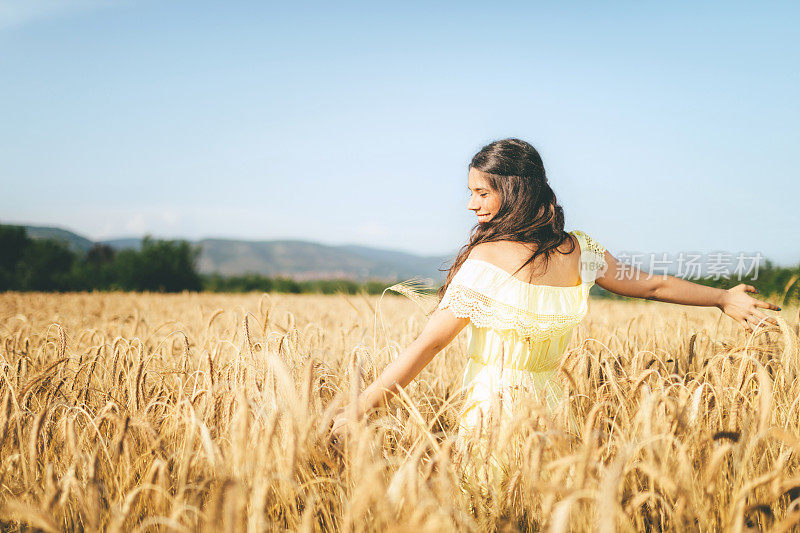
x: 473, y: 204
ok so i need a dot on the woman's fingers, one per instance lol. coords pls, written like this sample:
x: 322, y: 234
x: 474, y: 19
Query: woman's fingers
x: 338, y: 445
x: 767, y: 305
x: 758, y: 318
x: 750, y: 288
x: 743, y: 321
x: 761, y: 316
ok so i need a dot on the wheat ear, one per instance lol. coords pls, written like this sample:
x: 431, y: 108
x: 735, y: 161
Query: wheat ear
x: 414, y: 289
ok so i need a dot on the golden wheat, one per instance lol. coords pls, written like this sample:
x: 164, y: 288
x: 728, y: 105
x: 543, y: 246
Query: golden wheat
x: 203, y: 411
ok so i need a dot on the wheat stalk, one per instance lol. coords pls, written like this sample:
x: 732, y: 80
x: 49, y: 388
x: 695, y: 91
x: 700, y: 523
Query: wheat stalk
x: 415, y: 289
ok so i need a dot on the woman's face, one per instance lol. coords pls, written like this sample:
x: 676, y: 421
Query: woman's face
x: 483, y: 200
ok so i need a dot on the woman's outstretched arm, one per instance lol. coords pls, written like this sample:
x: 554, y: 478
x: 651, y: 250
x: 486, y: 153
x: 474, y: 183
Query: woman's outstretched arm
x: 622, y: 279
x: 442, y: 327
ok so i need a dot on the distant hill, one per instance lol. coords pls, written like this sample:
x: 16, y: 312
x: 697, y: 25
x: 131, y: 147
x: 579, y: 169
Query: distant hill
x: 124, y: 243
x: 300, y: 260
x: 76, y: 243
x: 310, y: 260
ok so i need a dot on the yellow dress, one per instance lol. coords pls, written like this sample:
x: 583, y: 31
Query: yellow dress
x: 518, y: 333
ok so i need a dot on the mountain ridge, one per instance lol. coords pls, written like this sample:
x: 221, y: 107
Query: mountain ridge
x: 292, y: 258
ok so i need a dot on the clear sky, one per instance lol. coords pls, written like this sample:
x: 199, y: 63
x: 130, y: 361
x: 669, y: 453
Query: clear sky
x: 663, y: 126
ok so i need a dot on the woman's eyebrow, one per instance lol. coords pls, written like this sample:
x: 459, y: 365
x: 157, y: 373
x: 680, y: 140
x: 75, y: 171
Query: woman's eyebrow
x: 478, y: 189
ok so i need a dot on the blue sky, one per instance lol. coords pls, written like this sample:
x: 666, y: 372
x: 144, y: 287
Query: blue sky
x: 663, y: 127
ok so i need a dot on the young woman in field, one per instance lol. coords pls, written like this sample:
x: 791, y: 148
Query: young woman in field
x: 522, y: 284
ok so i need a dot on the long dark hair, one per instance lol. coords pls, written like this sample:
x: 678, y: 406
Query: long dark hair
x: 528, y: 213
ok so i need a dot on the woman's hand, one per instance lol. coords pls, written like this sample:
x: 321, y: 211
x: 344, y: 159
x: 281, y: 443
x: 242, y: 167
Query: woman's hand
x: 743, y: 308
x: 340, y: 426
x: 339, y: 432
x: 441, y: 328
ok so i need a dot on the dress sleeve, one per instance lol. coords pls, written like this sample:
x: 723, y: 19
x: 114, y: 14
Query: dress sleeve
x: 468, y: 294
x: 593, y: 261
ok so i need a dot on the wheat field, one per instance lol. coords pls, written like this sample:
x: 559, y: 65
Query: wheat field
x: 153, y: 412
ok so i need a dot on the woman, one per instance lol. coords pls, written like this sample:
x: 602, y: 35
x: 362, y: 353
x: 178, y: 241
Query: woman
x: 522, y: 283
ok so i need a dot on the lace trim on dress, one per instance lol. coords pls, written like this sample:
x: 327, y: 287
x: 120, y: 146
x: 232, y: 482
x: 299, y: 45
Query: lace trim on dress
x: 594, y: 245
x: 485, y: 312
x: 593, y: 260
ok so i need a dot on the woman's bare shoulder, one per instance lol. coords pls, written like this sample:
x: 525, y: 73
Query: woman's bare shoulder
x: 501, y: 253
x: 509, y: 255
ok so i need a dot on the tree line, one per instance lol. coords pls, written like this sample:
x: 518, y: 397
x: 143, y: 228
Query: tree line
x: 260, y: 283
x: 28, y: 264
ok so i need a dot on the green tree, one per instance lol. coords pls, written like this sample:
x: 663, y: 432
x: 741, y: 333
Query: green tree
x: 13, y: 241
x: 45, y: 265
x: 160, y: 265
x: 96, y: 270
